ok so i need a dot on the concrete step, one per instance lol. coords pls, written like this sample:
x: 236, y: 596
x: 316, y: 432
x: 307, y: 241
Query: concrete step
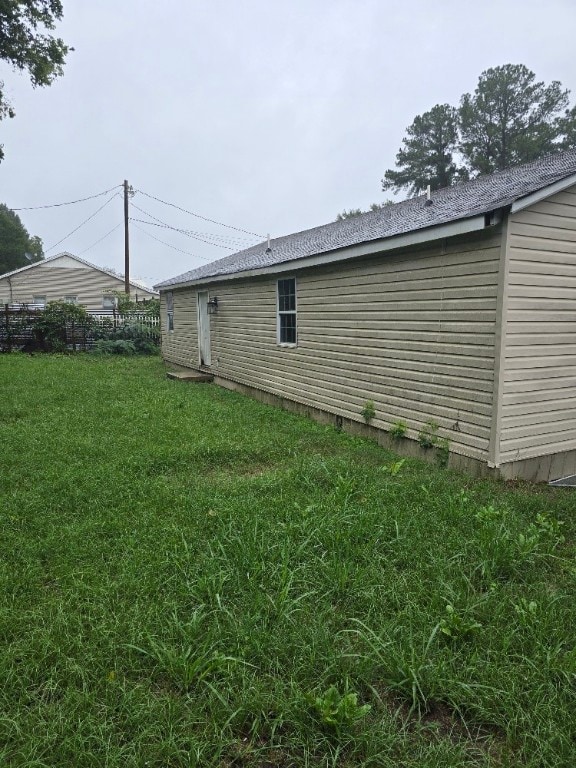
x: 193, y: 376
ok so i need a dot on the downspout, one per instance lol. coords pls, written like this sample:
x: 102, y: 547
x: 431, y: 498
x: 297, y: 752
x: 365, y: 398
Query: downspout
x: 11, y: 291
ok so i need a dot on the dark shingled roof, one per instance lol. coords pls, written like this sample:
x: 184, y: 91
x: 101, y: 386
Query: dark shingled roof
x: 462, y: 201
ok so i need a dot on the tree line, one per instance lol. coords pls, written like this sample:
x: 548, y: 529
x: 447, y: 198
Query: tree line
x: 17, y: 247
x: 509, y: 119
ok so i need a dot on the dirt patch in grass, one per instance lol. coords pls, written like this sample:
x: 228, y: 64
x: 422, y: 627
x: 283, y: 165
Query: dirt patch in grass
x: 440, y: 720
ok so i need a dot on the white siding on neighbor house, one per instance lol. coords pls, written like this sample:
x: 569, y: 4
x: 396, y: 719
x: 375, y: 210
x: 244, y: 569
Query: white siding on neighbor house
x: 56, y: 282
x: 538, y: 414
x: 413, y: 332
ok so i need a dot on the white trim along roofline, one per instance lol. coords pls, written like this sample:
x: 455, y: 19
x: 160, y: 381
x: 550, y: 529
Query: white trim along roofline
x: 542, y: 194
x: 474, y: 224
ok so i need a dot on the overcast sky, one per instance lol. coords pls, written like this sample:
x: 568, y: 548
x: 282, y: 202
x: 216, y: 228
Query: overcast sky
x: 266, y: 115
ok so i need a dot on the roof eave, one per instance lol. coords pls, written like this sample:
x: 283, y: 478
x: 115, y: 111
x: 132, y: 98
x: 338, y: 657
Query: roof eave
x: 542, y: 194
x: 417, y: 237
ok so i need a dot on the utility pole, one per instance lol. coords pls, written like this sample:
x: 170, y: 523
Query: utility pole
x: 126, y: 242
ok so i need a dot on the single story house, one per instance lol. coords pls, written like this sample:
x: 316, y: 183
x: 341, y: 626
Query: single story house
x: 66, y: 277
x: 458, y: 310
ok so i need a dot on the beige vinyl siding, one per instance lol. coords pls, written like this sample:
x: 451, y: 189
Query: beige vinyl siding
x: 414, y: 332
x: 180, y: 346
x: 89, y: 285
x: 539, y: 393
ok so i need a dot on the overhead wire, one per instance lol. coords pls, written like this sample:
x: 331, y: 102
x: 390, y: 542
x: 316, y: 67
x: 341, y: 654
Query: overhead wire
x: 159, y: 223
x: 100, y: 240
x: 237, y: 242
x: 187, y: 253
x: 83, y: 223
x: 180, y: 231
x: 199, y: 216
x: 71, y: 202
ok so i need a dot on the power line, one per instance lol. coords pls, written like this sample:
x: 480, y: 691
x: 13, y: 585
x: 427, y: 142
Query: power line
x: 187, y: 253
x: 182, y: 232
x: 102, y: 238
x: 186, y: 232
x: 72, y: 202
x: 117, y: 194
x: 198, y: 216
x: 237, y: 242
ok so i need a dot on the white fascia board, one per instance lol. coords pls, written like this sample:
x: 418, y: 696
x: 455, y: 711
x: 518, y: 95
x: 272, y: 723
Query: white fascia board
x: 542, y: 194
x: 418, y: 237
x: 23, y: 269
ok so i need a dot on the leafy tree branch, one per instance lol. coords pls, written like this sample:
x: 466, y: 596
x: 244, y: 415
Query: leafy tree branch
x: 27, y: 46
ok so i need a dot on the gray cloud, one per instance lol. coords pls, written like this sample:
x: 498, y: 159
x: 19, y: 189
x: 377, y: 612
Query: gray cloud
x: 271, y: 117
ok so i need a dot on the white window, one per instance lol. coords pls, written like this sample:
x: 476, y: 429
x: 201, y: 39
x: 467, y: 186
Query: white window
x: 108, y: 301
x: 39, y: 301
x: 170, y: 311
x: 71, y: 299
x: 287, y: 334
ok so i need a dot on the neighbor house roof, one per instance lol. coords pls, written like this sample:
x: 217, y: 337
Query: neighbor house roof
x: 451, y: 204
x: 109, y: 272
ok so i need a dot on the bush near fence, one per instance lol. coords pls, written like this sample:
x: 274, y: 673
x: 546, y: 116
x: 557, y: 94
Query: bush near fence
x: 133, y: 335
x: 63, y: 327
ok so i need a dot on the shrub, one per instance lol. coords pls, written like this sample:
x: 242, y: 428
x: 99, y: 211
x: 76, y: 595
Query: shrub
x: 56, y: 320
x: 114, y: 347
x: 127, y: 306
x: 144, y: 338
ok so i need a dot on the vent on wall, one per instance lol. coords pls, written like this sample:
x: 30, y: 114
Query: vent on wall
x: 564, y: 482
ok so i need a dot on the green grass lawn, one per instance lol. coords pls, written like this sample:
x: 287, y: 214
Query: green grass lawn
x: 192, y: 578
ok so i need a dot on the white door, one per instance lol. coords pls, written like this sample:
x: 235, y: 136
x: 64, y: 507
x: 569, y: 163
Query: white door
x: 204, y: 329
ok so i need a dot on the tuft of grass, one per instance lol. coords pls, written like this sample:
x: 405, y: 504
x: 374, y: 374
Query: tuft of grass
x: 398, y: 430
x: 368, y: 411
x: 192, y: 578
x: 428, y: 435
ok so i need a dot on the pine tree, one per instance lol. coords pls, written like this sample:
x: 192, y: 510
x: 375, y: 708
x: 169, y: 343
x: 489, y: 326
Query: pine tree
x: 509, y: 119
x: 427, y: 156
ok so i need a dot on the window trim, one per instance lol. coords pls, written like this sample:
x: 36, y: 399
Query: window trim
x: 170, y: 311
x: 280, y: 312
x: 36, y: 303
x: 71, y: 299
x: 108, y: 296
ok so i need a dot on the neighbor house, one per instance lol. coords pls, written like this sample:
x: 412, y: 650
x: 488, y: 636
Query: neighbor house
x: 457, y: 311
x: 66, y: 277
